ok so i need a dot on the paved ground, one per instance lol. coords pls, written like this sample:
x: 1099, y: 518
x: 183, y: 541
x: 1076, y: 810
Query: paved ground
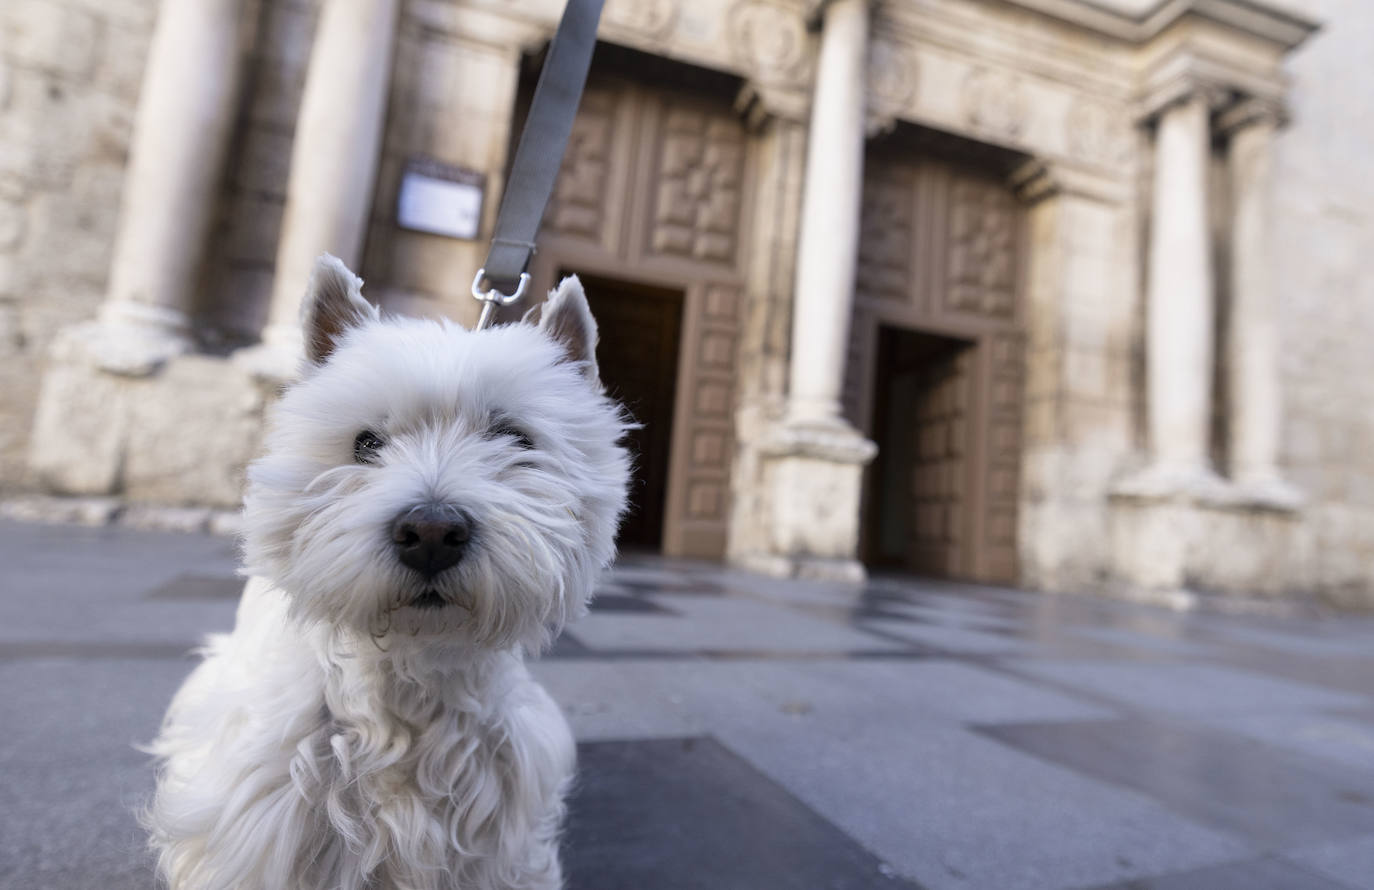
x: 744, y: 734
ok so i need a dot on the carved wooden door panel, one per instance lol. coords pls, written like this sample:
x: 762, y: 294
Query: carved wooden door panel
x: 942, y: 253
x: 650, y: 196
x: 704, y: 438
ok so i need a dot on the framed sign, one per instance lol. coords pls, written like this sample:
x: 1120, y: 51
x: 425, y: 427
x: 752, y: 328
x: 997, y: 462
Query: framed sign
x: 440, y: 199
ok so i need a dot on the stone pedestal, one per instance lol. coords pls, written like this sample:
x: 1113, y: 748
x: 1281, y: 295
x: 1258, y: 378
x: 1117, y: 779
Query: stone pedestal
x: 812, y: 476
x: 182, y: 436
x: 1170, y: 552
x: 333, y: 166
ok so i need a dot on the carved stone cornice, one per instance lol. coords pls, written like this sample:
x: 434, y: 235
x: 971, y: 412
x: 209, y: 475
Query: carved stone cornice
x: 1184, y: 77
x: 1255, y: 18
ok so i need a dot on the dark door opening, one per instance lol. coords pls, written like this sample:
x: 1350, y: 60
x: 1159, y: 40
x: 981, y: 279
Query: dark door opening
x: 640, y: 328
x: 917, y: 487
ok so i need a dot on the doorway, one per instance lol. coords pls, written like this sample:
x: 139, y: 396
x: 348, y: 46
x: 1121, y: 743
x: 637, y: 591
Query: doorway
x: 918, y: 484
x: 640, y: 333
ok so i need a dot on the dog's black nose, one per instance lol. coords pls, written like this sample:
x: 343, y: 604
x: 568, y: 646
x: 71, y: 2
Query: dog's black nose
x: 431, y: 537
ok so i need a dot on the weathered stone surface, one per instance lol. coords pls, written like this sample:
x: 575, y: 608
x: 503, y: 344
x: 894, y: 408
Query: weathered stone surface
x: 79, y: 430
x: 192, y: 430
x: 50, y: 36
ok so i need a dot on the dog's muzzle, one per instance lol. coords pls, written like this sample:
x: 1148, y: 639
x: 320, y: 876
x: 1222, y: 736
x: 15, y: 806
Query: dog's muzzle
x: 430, y: 538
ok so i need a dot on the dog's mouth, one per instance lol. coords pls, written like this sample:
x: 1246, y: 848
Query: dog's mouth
x: 429, y: 599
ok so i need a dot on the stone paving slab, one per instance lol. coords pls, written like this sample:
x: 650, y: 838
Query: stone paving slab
x: 904, y: 733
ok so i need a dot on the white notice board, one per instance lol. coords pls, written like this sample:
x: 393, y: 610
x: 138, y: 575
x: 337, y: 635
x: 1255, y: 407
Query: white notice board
x: 440, y: 199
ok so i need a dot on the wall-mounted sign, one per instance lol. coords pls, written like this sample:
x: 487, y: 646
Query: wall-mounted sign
x: 440, y: 199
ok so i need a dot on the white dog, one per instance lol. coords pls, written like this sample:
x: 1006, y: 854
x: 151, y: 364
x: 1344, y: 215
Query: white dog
x: 434, y: 503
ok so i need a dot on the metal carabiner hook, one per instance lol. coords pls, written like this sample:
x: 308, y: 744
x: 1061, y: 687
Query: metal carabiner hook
x: 491, y: 297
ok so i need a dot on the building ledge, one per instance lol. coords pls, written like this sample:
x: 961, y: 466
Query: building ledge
x: 1139, y: 22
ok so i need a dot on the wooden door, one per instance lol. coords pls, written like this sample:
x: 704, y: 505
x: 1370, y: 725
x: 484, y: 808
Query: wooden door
x: 648, y: 208
x: 639, y: 331
x: 941, y: 256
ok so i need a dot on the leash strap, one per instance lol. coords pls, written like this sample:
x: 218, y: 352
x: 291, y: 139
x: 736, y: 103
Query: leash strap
x: 503, y: 277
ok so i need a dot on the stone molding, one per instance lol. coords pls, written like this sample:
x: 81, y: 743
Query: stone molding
x: 1038, y: 179
x: 1180, y: 81
x: 758, y: 102
x: 837, y: 442
x: 1255, y: 18
x: 1250, y: 111
x: 650, y: 19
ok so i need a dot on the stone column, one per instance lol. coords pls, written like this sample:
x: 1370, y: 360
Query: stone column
x: 829, y: 238
x: 1252, y: 338
x: 1180, y: 310
x: 813, y: 460
x: 333, y: 165
x: 176, y: 158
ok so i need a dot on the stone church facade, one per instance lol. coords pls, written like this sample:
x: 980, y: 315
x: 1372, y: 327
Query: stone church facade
x: 1053, y: 292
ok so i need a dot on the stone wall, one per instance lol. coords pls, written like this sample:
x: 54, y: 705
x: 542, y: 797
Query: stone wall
x: 69, y: 82
x: 1324, y: 228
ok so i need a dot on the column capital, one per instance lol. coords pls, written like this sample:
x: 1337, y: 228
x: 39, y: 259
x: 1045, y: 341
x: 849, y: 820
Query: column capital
x: 759, y: 102
x: 1038, y: 179
x: 1251, y: 111
x: 1178, y: 90
x: 815, y: 10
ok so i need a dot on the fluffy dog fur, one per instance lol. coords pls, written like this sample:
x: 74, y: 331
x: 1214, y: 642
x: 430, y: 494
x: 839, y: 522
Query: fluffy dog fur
x: 352, y: 732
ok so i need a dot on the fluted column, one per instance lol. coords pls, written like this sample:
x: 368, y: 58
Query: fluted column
x: 829, y: 237
x: 1180, y: 311
x: 176, y: 157
x: 1254, y: 395
x: 333, y: 163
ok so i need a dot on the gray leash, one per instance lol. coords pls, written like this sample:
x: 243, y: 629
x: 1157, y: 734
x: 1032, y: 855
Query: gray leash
x: 503, y: 277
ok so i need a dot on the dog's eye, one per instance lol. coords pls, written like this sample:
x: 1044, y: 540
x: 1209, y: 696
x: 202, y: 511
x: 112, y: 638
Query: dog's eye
x: 506, y: 429
x: 366, y: 446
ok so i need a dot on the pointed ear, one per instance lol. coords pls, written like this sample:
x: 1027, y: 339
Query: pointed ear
x: 566, y: 318
x: 333, y: 304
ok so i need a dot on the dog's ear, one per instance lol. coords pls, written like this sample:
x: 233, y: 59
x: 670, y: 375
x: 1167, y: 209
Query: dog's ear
x: 333, y: 303
x: 566, y: 318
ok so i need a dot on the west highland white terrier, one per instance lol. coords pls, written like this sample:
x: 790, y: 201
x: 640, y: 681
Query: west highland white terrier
x: 434, y: 503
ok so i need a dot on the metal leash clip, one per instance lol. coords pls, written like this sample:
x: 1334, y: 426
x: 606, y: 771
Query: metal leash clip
x: 491, y: 297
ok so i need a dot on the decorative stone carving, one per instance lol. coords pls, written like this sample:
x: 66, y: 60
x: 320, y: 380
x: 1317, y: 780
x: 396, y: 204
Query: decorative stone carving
x: 885, y: 231
x: 981, y: 277
x: 1096, y: 133
x: 651, y: 18
x: 577, y: 206
x: 770, y: 41
x: 994, y: 103
x: 891, y: 76
x: 701, y: 165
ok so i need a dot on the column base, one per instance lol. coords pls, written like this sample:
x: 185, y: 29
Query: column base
x: 128, y: 339
x: 1197, y: 483
x: 812, y: 475
x: 1267, y: 491
x: 278, y: 359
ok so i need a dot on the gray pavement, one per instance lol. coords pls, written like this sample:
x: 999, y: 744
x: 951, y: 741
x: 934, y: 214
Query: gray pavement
x: 739, y: 732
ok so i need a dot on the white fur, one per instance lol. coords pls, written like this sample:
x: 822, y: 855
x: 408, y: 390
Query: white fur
x: 340, y: 738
